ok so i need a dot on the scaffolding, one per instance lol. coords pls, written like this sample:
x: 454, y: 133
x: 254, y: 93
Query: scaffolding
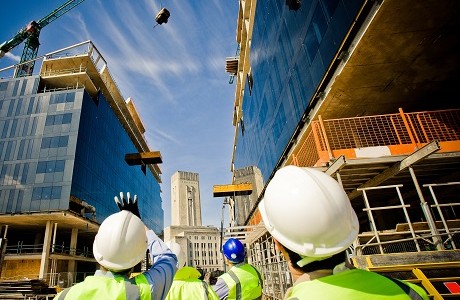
x: 401, y: 173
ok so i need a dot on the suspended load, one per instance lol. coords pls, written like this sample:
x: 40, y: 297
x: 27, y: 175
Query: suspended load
x: 162, y: 16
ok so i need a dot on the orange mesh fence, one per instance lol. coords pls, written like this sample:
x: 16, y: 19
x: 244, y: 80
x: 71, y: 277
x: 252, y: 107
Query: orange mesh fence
x: 363, y: 132
x: 307, y: 155
x: 397, y: 129
x: 441, y: 125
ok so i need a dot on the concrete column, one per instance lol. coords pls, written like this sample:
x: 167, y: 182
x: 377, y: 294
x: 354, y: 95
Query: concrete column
x: 73, y: 247
x: 46, y: 250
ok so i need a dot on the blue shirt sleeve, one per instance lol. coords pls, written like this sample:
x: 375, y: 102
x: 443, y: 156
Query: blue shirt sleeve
x: 161, y: 274
x: 221, y: 289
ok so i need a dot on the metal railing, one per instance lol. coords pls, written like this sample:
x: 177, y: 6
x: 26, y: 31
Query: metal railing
x: 23, y: 249
x: 272, y: 266
x: 412, y: 236
x: 65, y: 279
x: 56, y: 72
x: 401, y: 133
x: 58, y: 279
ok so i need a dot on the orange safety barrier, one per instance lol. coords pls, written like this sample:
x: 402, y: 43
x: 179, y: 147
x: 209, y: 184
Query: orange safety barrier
x: 377, y: 136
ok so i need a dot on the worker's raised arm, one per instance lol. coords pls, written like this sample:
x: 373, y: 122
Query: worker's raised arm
x: 160, y: 276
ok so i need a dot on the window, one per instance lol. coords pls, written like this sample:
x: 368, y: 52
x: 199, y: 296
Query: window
x: 55, y: 142
x: 50, y: 166
x: 41, y: 167
x: 70, y: 97
x: 62, y: 98
x: 31, y: 105
x: 46, y: 193
x: 58, y: 119
x: 56, y: 192
x: 63, y: 141
x: 3, y: 86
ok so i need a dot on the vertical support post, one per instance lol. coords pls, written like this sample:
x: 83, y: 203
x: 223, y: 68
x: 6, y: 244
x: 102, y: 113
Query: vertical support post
x: 339, y: 179
x: 371, y: 219
x: 46, y: 250
x: 406, y: 124
x: 73, y: 248
x: 326, y: 141
x: 426, y: 211
x: 295, y: 161
x: 54, y: 238
x: 5, y: 232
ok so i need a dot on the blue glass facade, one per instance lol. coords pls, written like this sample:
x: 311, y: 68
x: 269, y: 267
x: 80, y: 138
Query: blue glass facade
x: 61, y: 144
x: 290, y: 53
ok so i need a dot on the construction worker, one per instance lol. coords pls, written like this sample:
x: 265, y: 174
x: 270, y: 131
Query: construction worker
x: 187, y: 283
x: 242, y: 281
x: 120, y: 244
x: 313, y: 223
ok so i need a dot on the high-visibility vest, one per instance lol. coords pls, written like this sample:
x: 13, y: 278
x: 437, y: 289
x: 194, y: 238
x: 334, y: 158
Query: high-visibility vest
x: 195, y: 289
x: 187, y: 285
x: 101, y: 287
x: 355, y: 284
x: 244, y: 282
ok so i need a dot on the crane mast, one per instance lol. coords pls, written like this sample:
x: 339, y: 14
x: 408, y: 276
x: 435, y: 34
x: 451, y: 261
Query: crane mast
x: 30, y: 34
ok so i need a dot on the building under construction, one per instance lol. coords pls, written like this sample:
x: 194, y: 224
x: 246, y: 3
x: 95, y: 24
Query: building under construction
x: 69, y: 143
x: 364, y: 91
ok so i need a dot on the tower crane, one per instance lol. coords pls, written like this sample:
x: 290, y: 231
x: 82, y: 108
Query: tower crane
x: 30, y: 34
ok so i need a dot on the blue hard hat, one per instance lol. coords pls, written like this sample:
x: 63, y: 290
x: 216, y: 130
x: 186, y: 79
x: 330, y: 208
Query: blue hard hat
x: 234, y: 250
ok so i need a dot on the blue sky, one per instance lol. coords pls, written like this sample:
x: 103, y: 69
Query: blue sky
x: 175, y: 73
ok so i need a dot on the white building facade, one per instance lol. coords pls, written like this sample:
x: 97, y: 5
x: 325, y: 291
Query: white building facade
x: 185, y: 199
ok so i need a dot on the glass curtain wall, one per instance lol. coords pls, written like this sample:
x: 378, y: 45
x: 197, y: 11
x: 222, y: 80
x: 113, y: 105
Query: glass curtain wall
x: 101, y: 171
x: 291, y: 49
x: 62, y: 144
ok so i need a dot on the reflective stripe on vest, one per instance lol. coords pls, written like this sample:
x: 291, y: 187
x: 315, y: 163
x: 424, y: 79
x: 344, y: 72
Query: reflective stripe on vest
x: 352, y: 284
x: 205, y: 287
x: 237, y: 286
x: 244, y: 282
x: 100, y: 287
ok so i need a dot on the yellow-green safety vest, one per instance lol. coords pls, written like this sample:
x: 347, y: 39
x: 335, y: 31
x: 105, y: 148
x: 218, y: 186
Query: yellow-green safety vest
x: 356, y: 284
x: 195, y: 289
x: 187, y: 285
x: 244, y: 283
x: 101, y: 287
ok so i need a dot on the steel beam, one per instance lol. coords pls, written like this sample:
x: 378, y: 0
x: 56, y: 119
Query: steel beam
x: 143, y: 158
x: 398, y: 167
x: 230, y: 190
x: 338, y: 164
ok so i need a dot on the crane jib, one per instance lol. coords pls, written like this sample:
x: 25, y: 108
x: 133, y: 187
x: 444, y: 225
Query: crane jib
x: 30, y: 35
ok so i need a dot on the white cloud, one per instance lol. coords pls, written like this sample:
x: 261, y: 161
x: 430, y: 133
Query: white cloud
x: 80, y: 29
x: 13, y: 57
x: 155, y: 133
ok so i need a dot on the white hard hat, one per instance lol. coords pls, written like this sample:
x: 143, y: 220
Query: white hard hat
x: 177, y: 250
x: 121, y: 242
x: 309, y: 213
